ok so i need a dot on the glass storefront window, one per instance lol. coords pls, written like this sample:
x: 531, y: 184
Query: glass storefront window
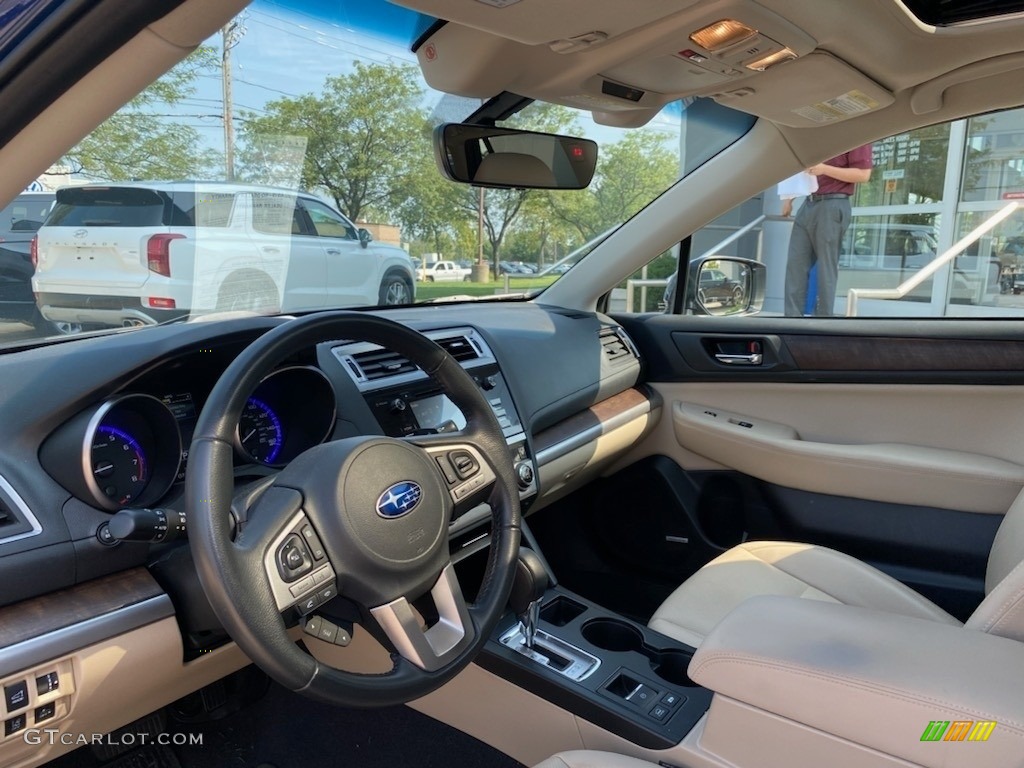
x: 994, y: 159
x: 884, y: 251
x: 910, y: 169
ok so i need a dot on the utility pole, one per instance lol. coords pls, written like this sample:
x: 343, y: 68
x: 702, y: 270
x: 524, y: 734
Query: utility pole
x: 231, y: 35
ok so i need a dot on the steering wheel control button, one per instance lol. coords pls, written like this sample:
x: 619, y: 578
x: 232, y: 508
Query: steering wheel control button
x: 328, y: 632
x: 315, y: 547
x: 16, y: 695
x: 294, y: 558
x: 465, y: 465
x: 446, y: 470
x: 322, y: 575
x: 326, y: 594
x: 47, y: 683
x: 302, y: 587
x: 312, y: 626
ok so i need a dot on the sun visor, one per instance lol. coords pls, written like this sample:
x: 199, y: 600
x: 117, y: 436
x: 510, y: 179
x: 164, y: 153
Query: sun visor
x: 829, y: 91
x: 468, y: 62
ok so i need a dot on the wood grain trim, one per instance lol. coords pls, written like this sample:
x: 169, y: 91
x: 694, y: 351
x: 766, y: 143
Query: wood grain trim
x: 853, y: 353
x: 31, y: 618
x: 595, y: 415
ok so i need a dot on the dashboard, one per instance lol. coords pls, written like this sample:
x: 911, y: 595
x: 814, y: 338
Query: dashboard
x: 94, y: 561
x: 115, y: 434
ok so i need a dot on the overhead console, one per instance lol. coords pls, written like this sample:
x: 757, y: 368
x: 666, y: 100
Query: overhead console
x: 405, y: 401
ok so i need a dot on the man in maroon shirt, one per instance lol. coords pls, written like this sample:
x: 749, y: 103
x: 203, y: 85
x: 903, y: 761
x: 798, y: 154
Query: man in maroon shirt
x: 819, y: 228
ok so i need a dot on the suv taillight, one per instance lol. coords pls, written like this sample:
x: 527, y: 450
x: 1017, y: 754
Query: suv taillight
x: 34, y: 251
x: 158, y: 253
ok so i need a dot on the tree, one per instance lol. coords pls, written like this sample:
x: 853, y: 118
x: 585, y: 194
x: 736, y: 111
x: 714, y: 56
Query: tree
x: 364, y: 138
x: 630, y: 174
x: 139, y: 143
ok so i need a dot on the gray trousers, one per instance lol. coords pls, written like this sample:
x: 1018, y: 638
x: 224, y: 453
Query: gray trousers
x: 818, y: 232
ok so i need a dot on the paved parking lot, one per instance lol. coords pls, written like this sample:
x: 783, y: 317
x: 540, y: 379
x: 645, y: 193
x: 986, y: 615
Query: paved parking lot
x: 14, y: 332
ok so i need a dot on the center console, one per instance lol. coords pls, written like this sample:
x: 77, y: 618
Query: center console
x: 617, y: 674
x: 405, y: 401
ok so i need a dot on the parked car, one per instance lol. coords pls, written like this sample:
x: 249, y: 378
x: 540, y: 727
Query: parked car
x: 18, y: 224
x: 443, y: 271
x: 141, y: 253
x: 715, y: 287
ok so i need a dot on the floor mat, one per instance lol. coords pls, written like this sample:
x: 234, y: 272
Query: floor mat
x: 285, y: 730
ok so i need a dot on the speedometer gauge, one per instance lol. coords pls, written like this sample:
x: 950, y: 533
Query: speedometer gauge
x: 119, y: 464
x: 259, y: 432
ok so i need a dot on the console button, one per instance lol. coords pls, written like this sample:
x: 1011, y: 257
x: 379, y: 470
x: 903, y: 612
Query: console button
x: 660, y: 712
x: 47, y: 683
x: 671, y: 699
x: 643, y: 696
x: 15, y: 724
x: 16, y: 695
x: 46, y: 711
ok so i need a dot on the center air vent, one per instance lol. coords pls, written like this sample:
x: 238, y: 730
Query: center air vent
x: 378, y: 363
x: 616, y: 346
x: 459, y: 347
x: 373, y: 368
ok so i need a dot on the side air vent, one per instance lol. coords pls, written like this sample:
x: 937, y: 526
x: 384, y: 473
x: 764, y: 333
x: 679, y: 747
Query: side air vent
x: 379, y: 363
x: 616, y: 346
x: 459, y: 347
x: 16, y: 520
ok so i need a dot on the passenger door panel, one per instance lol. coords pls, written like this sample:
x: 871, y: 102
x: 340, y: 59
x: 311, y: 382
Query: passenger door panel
x: 897, y: 442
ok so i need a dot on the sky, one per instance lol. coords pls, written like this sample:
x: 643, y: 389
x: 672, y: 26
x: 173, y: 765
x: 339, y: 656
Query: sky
x: 289, y: 47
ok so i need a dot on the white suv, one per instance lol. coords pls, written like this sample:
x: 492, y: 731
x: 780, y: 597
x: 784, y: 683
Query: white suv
x: 142, y: 253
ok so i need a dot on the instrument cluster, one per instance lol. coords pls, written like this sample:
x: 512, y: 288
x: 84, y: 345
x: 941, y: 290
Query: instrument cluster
x: 129, y: 450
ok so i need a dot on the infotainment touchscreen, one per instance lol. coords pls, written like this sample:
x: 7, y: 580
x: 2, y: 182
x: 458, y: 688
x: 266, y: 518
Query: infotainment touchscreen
x: 438, y: 412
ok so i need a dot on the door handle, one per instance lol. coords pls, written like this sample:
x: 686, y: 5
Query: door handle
x: 270, y: 249
x: 334, y: 251
x: 754, y: 358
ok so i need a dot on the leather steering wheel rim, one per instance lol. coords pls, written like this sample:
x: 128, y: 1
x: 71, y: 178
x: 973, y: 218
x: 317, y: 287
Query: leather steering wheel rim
x: 230, y: 566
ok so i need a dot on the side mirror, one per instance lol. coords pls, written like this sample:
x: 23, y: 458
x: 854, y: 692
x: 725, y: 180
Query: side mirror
x: 487, y: 156
x: 721, y: 285
x: 725, y: 285
x: 365, y: 238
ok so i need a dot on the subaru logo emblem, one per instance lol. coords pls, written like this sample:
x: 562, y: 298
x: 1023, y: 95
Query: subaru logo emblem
x: 80, y: 233
x: 399, y: 500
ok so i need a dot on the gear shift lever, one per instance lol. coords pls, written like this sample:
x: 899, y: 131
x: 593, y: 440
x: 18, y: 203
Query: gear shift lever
x: 531, y: 582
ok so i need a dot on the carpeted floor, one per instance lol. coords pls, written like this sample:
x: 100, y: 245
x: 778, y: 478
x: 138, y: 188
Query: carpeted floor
x: 284, y: 730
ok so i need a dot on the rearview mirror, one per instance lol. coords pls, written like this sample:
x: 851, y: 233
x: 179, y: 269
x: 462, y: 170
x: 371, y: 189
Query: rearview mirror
x: 486, y: 156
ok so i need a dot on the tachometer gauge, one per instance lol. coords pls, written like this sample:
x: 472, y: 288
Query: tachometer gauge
x: 259, y: 432
x: 119, y: 464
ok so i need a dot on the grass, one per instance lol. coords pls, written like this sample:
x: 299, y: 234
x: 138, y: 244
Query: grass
x: 427, y: 291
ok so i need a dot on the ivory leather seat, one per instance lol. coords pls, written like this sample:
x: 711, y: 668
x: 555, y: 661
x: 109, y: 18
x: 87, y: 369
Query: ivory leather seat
x: 818, y: 573
x: 582, y: 758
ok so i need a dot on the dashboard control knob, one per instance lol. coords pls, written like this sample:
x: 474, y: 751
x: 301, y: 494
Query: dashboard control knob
x: 488, y: 383
x: 524, y: 471
x: 398, y: 405
x: 153, y: 525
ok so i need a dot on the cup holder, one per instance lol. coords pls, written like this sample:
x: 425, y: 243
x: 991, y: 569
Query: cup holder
x: 561, y: 611
x: 669, y: 664
x: 613, y: 635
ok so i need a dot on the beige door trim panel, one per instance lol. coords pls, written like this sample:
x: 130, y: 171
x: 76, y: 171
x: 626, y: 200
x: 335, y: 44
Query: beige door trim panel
x: 896, y: 473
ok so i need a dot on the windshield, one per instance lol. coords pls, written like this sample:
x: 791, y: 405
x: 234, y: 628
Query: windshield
x: 287, y: 165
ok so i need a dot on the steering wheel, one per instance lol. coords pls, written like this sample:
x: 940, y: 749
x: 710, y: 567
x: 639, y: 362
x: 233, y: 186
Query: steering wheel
x: 364, y: 517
